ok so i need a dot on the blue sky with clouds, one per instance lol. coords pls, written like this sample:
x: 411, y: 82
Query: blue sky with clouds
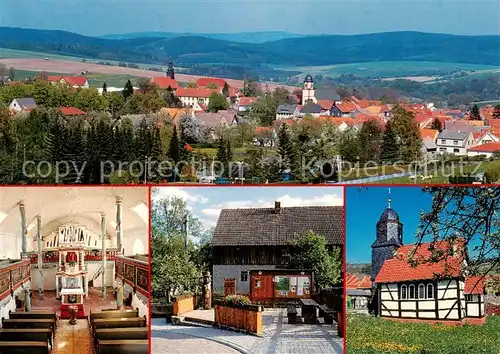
x: 98, y: 17
x: 207, y: 202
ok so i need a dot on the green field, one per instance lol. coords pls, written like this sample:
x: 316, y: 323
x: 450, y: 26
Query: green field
x: 393, y: 69
x: 372, y: 335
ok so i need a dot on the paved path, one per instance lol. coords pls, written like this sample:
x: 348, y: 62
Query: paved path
x: 173, y: 343
x: 278, y: 338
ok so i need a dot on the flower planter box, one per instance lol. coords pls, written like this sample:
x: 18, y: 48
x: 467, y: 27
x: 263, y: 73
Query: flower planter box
x: 183, y: 304
x: 242, y: 317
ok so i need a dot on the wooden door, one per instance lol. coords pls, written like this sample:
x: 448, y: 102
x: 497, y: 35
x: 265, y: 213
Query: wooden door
x: 229, y: 286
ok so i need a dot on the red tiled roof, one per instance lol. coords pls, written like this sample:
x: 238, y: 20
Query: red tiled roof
x: 488, y: 147
x: 423, y: 119
x: 246, y: 101
x: 474, y: 285
x: 326, y: 104
x: 70, y: 80
x: 194, y: 92
x: 365, y: 283
x: 398, y: 268
x: 353, y: 282
x: 346, y: 107
x: 430, y: 134
x: 72, y: 111
x: 204, y: 81
x: 164, y: 82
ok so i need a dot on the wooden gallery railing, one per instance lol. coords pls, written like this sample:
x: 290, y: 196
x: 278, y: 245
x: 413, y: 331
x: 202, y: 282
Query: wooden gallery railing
x: 12, y: 276
x: 53, y: 256
x: 133, y: 272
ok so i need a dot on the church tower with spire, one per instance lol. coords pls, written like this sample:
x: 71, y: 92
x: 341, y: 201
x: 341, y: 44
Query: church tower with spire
x: 389, y: 238
x: 170, y: 70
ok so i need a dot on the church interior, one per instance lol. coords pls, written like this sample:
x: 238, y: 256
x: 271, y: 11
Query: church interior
x: 74, y: 270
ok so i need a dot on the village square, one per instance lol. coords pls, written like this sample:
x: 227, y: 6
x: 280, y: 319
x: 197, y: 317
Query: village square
x: 258, y: 275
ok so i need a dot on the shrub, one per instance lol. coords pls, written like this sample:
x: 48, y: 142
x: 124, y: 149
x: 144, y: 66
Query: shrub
x: 236, y: 300
x: 492, y: 172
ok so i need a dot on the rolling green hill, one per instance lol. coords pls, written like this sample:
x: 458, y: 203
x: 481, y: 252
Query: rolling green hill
x: 306, y: 51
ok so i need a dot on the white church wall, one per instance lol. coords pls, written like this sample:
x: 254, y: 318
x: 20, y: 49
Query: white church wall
x: 136, y: 242
x: 10, y: 246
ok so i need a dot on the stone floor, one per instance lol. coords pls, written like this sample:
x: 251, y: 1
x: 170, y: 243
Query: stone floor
x: 207, y: 315
x: 174, y: 343
x: 73, y: 339
x: 278, y: 337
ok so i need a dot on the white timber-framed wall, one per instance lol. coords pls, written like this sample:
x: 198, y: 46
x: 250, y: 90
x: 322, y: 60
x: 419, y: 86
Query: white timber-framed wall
x: 426, y: 299
x: 474, y: 305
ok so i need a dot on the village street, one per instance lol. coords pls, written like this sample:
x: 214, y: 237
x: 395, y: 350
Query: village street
x: 278, y: 337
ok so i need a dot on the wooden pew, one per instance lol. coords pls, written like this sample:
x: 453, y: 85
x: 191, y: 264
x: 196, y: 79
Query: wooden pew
x: 24, y: 347
x: 121, y: 333
x: 33, y: 314
x: 114, y: 314
x: 119, y: 322
x: 26, y: 334
x: 28, y: 323
x: 123, y: 346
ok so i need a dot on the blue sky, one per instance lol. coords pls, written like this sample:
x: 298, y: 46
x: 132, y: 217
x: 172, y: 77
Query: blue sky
x: 207, y: 202
x: 98, y: 17
x: 364, y: 207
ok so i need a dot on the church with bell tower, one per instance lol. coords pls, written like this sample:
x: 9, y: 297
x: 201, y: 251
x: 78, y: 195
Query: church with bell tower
x: 389, y: 238
x: 308, y: 90
x: 170, y: 70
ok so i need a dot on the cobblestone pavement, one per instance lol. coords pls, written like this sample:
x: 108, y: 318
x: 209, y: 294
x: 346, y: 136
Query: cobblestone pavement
x: 173, y: 343
x: 278, y: 338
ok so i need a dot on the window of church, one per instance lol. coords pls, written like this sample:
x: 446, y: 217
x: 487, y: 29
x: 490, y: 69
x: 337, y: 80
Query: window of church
x: 430, y: 291
x: 411, y: 290
x: 421, y: 291
x: 404, y: 294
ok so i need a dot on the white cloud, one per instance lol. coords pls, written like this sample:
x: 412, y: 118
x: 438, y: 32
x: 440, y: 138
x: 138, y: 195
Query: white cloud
x: 188, y: 194
x: 210, y: 215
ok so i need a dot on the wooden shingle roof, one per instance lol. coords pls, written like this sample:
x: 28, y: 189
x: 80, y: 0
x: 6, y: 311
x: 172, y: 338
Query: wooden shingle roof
x: 266, y: 227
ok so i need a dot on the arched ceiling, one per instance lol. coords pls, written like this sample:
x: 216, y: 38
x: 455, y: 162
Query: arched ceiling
x: 59, y: 205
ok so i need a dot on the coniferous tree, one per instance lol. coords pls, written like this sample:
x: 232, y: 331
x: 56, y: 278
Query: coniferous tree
x: 128, y: 90
x: 286, y: 149
x: 407, y: 133
x: 174, y: 152
x: 156, y: 154
x: 221, y: 157
x: 74, y: 154
x: 496, y: 112
x: 104, y: 88
x: 475, y: 114
x: 436, y: 125
x: 389, y: 151
x: 225, y: 90
x: 369, y: 141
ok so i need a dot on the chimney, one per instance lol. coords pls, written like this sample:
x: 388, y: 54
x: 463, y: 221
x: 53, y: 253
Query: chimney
x: 277, y: 207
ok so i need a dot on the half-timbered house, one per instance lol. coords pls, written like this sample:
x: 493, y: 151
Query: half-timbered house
x: 247, y: 240
x: 410, y: 286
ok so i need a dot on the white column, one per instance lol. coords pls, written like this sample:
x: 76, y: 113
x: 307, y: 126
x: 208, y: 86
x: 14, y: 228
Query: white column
x: 40, y: 263
x: 103, y: 239
x: 22, y: 211
x: 119, y: 228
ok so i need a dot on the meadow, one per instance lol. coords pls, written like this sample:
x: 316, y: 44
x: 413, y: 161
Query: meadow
x: 373, y: 335
x: 394, y: 69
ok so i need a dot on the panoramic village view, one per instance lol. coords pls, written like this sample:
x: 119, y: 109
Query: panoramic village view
x: 253, y: 108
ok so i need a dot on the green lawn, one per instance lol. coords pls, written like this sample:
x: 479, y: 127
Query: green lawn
x: 372, y: 335
x: 389, y: 69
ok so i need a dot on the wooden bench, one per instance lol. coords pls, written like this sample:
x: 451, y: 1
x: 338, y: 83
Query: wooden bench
x: 26, y: 334
x: 327, y: 314
x: 10, y: 347
x: 33, y: 314
x: 121, y: 333
x: 292, y: 314
x: 28, y: 323
x: 119, y: 322
x: 114, y: 314
x: 129, y: 346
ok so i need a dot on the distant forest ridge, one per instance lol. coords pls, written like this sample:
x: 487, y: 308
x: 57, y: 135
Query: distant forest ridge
x: 298, y: 51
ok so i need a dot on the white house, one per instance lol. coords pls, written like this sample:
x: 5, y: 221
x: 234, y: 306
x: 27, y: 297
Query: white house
x: 287, y: 111
x: 454, y: 142
x: 73, y: 81
x: 484, y: 149
x: 22, y: 105
x: 190, y: 96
